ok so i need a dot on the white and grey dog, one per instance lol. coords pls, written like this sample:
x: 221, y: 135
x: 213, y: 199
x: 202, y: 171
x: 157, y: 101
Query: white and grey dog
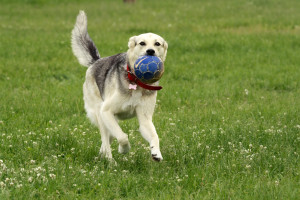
x: 107, y: 97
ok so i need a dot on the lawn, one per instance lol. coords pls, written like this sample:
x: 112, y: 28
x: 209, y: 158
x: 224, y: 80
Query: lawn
x: 228, y: 117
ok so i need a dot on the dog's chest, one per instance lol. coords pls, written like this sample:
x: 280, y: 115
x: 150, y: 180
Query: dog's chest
x: 128, y: 106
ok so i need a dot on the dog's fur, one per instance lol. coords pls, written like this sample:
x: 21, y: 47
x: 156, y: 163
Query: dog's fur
x: 107, y: 97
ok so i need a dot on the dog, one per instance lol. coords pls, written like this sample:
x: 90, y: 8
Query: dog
x: 108, y: 92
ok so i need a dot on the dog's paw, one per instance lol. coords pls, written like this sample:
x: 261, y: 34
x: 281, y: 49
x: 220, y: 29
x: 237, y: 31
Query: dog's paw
x: 124, y: 145
x: 105, y: 152
x: 157, y: 158
x: 156, y: 155
x: 124, y: 148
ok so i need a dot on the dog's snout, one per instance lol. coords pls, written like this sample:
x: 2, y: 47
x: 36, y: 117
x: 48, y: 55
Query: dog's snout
x: 150, y: 52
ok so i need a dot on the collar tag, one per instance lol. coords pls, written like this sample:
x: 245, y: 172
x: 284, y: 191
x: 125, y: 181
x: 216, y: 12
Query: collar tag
x: 132, y: 86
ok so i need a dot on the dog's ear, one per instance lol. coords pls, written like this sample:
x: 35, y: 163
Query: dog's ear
x: 132, y: 42
x: 165, y: 45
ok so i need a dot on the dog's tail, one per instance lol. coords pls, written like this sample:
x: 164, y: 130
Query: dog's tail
x: 82, y: 45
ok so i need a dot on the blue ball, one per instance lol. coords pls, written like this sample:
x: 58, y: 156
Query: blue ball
x: 148, y: 69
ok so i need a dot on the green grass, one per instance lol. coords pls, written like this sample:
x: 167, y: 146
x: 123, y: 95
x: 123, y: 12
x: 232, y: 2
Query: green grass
x: 228, y: 117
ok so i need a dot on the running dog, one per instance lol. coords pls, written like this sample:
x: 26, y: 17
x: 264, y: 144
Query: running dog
x: 108, y: 93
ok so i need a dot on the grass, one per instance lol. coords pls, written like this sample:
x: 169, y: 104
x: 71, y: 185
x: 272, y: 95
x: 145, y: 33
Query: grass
x: 228, y: 116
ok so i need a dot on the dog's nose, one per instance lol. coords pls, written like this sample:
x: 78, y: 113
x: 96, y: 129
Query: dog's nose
x: 150, y: 52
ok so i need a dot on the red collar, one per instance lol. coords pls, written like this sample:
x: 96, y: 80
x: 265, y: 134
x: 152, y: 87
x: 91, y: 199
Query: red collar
x: 134, y: 79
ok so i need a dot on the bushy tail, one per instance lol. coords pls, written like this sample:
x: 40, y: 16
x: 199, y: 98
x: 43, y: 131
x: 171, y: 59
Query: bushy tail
x: 82, y: 45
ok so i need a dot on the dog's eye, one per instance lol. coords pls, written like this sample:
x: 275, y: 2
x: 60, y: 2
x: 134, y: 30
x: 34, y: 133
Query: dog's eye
x: 157, y: 44
x: 142, y: 43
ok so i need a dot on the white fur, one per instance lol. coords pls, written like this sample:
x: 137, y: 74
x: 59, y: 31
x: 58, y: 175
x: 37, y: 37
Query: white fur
x: 117, y: 105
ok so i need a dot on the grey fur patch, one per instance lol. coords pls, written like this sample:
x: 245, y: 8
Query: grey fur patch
x: 105, y: 68
x: 90, y: 46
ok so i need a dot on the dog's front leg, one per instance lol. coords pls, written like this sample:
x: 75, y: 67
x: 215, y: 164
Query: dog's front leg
x: 105, y: 149
x: 115, y: 130
x: 148, y: 131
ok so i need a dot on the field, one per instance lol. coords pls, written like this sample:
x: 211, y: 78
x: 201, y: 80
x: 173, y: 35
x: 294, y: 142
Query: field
x: 228, y: 117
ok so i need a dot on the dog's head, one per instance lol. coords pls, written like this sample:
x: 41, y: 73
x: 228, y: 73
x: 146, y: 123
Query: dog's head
x: 146, y: 44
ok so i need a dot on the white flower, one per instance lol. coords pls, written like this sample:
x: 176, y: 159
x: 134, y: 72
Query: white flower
x: 2, y: 184
x: 53, y: 176
x: 30, y: 179
x: 246, y: 92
